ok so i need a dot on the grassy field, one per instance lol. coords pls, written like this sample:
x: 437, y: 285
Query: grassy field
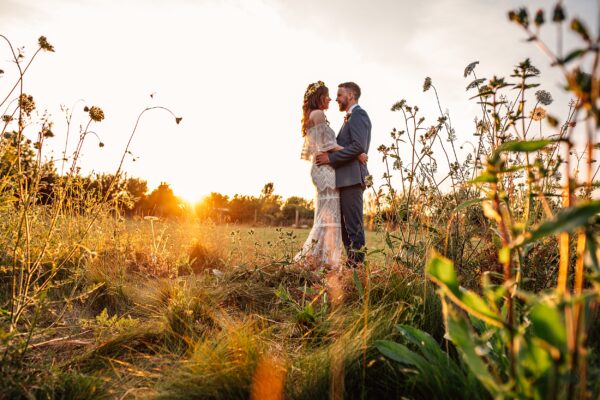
x: 186, y: 310
x: 230, y: 243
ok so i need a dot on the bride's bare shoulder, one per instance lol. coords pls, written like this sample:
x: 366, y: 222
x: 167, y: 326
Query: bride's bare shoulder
x: 317, y: 117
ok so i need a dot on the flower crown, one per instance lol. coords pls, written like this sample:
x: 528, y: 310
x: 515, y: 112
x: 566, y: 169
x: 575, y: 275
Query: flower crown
x: 313, y: 88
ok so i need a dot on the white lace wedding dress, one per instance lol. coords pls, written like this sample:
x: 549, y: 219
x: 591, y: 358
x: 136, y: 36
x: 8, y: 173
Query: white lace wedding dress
x: 323, y: 247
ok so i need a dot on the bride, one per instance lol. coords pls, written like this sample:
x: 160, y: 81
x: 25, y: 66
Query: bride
x: 323, y: 247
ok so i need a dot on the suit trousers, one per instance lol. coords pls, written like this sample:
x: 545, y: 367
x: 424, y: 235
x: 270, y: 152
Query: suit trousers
x: 353, y: 233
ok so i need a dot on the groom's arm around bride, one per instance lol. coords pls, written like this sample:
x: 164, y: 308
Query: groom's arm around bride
x: 355, y: 136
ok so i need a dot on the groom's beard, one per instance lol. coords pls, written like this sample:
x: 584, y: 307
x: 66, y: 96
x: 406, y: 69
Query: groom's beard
x: 343, y: 105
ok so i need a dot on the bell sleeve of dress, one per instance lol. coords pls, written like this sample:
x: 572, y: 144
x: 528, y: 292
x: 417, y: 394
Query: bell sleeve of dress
x: 325, y: 138
x: 308, y: 148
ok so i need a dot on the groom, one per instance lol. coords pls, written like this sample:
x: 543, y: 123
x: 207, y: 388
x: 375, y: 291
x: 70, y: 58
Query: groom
x: 355, y: 137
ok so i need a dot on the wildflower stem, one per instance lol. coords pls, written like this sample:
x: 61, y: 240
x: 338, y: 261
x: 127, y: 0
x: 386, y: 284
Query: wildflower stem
x: 21, y: 71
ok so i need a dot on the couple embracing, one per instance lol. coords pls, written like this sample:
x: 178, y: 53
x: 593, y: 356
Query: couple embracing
x: 339, y: 172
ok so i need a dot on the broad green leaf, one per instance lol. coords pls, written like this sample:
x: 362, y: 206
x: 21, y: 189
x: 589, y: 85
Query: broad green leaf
x: 480, y: 94
x: 442, y: 369
x: 402, y: 354
x: 524, y: 146
x: 521, y: 146
x: 442, y: 270
x: 547, y: 325
x: 514, y: 168
x: 566, y: 220
x: 485, y: 177
x: 429, y: 347
x: 573, y: 55
x: 466, y: 341
x: 359, y: 286
x: 474, y: 302
x: 534, y: 358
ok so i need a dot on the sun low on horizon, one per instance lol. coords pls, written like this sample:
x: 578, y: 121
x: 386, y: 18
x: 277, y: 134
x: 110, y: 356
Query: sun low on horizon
x: 236, y: 72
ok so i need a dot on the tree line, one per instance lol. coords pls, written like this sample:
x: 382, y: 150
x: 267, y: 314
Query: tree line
x: 268, y: 208
x: 130, y: 196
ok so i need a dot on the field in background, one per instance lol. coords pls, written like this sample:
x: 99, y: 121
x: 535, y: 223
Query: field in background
x: 232, y: 242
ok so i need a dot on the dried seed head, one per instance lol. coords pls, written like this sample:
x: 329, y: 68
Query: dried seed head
x: 559, y: 14
x: 26, y: 103
x: 539, y: 18
x: 469, y: 69
x: 398, y: 105
x: 543, y: 97
x: 96, y: 113
x: 427, y: 84
x: 44, y: 45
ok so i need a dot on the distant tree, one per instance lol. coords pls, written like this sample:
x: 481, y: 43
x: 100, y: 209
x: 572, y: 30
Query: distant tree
x: 213, y: 207
x: 270, y: 205
x: 136, y: 189
x: 163, y: 202
x: 267, y: 190
x: 288, y: 211
x: 243, y: 208
x: 113, y: 191
x: 124, y: 195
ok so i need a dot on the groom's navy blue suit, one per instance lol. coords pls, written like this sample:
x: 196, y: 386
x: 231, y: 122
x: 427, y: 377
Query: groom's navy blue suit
x: 355, y: 138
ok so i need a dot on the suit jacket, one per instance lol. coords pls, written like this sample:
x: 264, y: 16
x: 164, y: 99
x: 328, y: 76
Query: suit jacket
x: 355, y: 137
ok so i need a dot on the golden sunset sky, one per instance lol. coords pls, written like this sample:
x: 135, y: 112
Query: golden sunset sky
x: 236, y: 71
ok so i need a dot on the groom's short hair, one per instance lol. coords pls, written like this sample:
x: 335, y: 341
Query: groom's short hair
x: 353, y: 87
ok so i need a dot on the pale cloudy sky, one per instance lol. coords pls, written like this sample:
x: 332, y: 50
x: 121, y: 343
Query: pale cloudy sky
x: 236, y: 71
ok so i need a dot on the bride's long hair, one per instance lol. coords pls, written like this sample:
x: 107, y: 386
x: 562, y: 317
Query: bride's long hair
x: 313, y: 100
